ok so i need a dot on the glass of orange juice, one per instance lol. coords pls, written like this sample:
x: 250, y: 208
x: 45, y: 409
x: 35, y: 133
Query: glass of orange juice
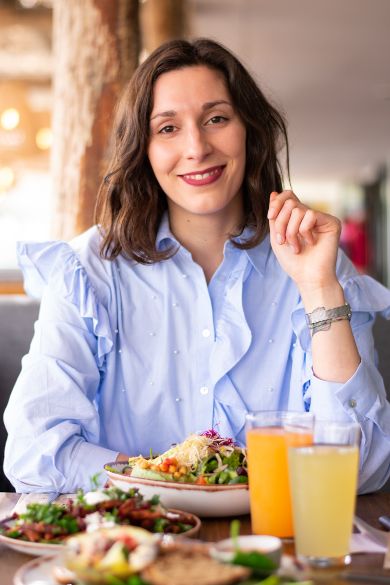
x: 323, y: 479
x: 268, y: 436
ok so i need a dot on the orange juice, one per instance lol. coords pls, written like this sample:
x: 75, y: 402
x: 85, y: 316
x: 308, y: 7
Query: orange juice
x: 268, y: 477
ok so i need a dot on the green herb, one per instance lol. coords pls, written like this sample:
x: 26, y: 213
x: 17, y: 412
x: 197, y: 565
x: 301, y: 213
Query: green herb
x: 154, y: 500
x: 80, y: 498
x: 47, y: 513
x: 233, y: 461
x: 238, y: 479
x: 113, y: 469
x: 95, y: 483
x: 235, y: 532
x: 112, y: 580
x: 14, y: 534
x: 259, y: 563
x: 160, y: 524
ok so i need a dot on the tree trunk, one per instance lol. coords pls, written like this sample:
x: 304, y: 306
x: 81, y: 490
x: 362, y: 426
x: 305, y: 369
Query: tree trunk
x: 96, y: 49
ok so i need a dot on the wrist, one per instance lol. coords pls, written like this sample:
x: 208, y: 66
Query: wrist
x: 328, y: 295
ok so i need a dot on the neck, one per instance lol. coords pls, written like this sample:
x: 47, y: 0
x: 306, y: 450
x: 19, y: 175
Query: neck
x: 204, y: 236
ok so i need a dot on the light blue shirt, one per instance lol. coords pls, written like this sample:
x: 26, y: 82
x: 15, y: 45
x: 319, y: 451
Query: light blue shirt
x: 129, y: 357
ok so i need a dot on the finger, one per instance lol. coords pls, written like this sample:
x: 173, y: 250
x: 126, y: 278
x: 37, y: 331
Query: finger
x: 307, y: 226
x: 277, y: 200
x: 282, y: 219
x: 293, y: 227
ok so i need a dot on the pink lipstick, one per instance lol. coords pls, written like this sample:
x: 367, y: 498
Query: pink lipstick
x: 205, y: 177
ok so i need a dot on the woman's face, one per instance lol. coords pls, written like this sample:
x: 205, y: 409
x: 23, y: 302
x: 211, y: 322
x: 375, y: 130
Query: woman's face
x: 197, y: 143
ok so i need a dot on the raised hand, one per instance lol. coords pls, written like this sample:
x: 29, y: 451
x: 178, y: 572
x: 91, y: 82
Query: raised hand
x: 304, y: 241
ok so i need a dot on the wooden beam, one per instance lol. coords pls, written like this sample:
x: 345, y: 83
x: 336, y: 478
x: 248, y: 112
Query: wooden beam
x: 96, y: 49
x: 162, y: 20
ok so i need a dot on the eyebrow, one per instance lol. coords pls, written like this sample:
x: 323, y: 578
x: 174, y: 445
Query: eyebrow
x: 205, y: 107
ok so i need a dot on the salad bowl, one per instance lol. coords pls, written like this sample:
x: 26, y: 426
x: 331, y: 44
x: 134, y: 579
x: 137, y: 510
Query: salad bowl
x: 202, y: 500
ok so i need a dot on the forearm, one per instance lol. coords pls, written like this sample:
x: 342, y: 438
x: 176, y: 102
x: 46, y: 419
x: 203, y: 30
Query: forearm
x: 335, y: 354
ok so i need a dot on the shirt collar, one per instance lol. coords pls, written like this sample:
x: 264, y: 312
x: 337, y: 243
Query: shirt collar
x: 164, y: 235
x: 257, y: 256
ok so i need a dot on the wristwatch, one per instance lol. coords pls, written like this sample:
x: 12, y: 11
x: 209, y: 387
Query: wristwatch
x: 321, y: 319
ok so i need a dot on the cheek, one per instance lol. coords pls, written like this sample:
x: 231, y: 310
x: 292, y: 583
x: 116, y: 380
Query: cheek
x: 160, y: 158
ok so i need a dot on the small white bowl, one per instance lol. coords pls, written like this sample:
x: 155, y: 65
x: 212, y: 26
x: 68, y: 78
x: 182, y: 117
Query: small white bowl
x: 269, y: 546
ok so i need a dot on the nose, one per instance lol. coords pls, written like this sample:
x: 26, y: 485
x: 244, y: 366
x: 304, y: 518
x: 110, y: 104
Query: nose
x: 197, y: 144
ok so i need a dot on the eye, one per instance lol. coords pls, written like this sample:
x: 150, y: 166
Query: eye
x: 167, y: 129
x: 217, y: 120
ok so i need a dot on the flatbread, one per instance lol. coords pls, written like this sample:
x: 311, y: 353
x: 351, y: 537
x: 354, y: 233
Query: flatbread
x: 192, y: 566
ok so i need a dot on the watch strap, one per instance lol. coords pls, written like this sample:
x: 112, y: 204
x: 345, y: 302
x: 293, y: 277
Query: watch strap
x: 321, y: 319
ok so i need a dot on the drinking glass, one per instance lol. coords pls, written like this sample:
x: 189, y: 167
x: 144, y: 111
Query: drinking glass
x: 268, y: 435
x: 323, y: 479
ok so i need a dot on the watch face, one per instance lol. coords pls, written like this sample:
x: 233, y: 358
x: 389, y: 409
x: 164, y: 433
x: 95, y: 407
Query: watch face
x: 318, y: 314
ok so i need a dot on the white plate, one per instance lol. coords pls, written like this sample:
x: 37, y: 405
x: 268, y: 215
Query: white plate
x: 31, y: 548
x: 210, y: 500
x: 42, y: 549
x: 38, y: 571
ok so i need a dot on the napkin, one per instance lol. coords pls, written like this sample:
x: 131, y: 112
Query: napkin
x: 25, y: 499
x: 362, y: 543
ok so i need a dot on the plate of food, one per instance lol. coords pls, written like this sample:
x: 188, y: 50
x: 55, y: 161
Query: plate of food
x: 127, y: 555
x: 206, y: 475
x: 43, y: 528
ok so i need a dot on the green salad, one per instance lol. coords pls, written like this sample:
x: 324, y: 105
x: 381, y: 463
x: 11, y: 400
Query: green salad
x: 203, y: 459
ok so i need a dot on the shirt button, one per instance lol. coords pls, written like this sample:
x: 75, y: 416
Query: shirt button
x: 352, y: 403
x: 270, y: 341
x: 176, y: 351
x: 206, y: 333
x: 204, y: 390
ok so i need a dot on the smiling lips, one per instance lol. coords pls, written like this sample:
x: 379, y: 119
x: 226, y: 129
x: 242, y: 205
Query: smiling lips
x: 206, y: 177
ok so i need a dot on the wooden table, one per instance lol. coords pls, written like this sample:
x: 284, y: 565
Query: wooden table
x: 369, y: 507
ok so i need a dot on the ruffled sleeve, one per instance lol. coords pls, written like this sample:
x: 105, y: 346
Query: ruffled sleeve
x: 57, y: 264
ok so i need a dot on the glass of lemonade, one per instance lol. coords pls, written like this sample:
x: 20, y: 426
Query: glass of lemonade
x: 268, y: 436
x: 323, y: 479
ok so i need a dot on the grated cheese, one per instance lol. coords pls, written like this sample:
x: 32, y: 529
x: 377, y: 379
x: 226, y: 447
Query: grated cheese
x: 189, y: 453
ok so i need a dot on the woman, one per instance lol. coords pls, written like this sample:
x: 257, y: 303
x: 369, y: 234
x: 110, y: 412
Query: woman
x: 185, y: 308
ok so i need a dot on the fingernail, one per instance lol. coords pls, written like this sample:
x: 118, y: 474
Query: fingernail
x: 270, y: 213
x: 279, y: 239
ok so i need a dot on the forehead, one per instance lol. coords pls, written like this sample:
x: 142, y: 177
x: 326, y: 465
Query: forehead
x: 189, y: 86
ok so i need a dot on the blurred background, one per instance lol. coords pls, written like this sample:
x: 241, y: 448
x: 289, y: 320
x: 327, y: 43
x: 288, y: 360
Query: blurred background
x: 64, y: 62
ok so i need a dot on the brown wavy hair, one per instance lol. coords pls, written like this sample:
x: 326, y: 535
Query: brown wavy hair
x: 130, y: 201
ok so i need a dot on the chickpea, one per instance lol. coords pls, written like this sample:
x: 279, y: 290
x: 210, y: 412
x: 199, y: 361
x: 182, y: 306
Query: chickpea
x: 183, y: 470
x: 176, y: 475
x: 172, y: 468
